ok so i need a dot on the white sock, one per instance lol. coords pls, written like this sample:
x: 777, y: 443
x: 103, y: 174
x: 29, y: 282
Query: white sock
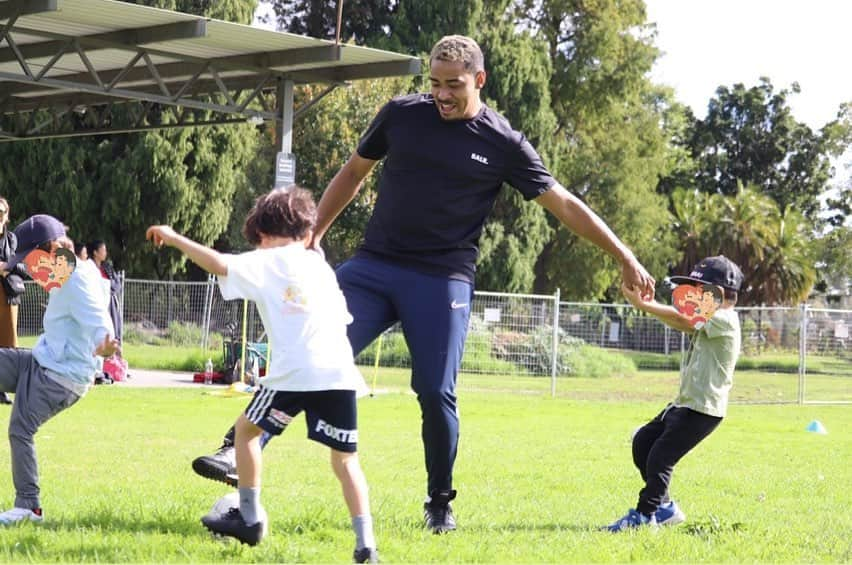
x: 250, y: 504
x: 363, y: 527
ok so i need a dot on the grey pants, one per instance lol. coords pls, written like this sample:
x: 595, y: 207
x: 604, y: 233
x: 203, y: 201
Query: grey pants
x: 37, y: 399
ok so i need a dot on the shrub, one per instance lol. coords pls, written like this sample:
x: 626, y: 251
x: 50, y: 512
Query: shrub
x: 576, y: 358
x: 477, y: 356
x: 184, y: 334
x: 141, y: 333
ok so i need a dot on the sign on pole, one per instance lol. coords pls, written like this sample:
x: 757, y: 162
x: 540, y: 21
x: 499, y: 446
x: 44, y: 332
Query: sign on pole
x: 285, y: 169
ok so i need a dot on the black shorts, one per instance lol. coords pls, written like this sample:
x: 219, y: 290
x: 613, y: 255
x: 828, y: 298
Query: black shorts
x: 331, y: 415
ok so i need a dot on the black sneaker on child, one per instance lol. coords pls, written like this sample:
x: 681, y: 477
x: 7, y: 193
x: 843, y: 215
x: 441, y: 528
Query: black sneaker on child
x: 220, y: 466
x: 4, y: 398
x: 231, y: 524
x: 437, y: 512
x: 365, y: 555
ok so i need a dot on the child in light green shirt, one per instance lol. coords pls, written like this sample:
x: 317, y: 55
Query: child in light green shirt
x: 702, y: 401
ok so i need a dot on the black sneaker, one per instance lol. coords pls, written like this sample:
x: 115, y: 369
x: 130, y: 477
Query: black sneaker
x: 221, y: 466
x: 4, y: 398
x: 438, y: 514
x: 232, y: 524
x: 365, y: 555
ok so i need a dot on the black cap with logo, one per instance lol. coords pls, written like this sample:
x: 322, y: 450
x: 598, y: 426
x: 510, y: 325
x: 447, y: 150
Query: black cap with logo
x: 718, y: 270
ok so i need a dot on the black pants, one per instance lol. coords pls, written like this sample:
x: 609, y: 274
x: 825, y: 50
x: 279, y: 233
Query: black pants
x: 660, y: 444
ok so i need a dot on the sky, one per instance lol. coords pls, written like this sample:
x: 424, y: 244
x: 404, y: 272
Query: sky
x: 708, y: 43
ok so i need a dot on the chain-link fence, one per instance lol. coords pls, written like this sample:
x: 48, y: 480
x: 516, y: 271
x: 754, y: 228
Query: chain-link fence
x: 807, y: 350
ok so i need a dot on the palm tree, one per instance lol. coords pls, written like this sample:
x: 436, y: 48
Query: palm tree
x: 788, y: 272
x: 693, y: 219
x: 774, y: 250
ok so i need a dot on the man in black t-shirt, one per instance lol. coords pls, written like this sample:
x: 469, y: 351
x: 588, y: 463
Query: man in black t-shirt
x: 446, y: 157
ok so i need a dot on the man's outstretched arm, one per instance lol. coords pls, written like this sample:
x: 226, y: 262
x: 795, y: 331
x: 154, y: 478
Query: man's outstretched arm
x: 580, y: 219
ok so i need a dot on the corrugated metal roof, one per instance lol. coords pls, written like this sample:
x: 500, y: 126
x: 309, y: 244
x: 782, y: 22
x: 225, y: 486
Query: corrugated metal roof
x: 111, y: 34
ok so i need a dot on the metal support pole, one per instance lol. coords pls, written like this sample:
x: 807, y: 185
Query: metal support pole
x: 205, y: 318
x: 203, y: 344
x: 285, y: 160
x: 244, y: 342
x: 555, y: 343
x: 803, y: 346
x: 171, y: 292
x: 213, y: 280
x: 339, y: 22
x: 121, y: 278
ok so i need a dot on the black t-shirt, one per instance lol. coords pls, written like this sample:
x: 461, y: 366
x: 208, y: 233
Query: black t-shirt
x: 439, y: 183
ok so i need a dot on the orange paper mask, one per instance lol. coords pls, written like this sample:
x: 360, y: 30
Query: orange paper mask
x: 698, y: 303
x: 50, y: 270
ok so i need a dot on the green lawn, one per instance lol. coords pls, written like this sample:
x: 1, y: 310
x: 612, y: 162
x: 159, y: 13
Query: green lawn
x: 651, y: 386
x: 536, y: 476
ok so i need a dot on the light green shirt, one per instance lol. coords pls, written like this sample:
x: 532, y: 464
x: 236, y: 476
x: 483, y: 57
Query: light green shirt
x: 708, y: 372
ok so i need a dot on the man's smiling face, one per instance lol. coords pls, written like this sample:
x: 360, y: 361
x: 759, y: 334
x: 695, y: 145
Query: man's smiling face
x: 455, y: 89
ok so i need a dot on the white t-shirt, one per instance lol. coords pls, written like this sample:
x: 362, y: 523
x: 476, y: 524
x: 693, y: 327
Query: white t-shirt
x: 304, y: 313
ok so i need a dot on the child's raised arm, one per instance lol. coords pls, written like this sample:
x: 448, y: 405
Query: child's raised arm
x: 208, y: 259
x: 666, y: 314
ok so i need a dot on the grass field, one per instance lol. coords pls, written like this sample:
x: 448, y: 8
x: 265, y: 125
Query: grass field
x: 536, y: 477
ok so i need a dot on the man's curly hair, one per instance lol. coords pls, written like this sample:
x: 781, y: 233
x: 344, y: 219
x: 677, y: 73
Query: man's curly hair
x: 459, y: 48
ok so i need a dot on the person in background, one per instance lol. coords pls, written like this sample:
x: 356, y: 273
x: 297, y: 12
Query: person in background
x: 82, y: 252
x: 12, y: 286
x: 97, y: 251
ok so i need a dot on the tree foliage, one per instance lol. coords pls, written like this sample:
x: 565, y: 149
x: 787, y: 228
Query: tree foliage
x: 770, y: 246
x: 113, y: 187
x: 835, y: 261
x: 572, y: 75
x: 239, y: 11
x: 612, y: 149
x: 362, y: 21
x: 750, y: 136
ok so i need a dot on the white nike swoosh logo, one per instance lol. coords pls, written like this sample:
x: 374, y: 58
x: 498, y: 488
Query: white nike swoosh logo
x: 455, y: 305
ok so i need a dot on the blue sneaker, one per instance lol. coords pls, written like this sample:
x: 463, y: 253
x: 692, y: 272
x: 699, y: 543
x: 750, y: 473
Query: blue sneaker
x: 633, y: 519
x: 669, y: 514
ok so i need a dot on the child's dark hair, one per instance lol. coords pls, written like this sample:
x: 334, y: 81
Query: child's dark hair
x: 730, y: 295
x: 289, y: 212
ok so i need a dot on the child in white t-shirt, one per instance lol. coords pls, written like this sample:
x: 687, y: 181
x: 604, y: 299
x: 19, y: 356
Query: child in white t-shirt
x: 311, y: 368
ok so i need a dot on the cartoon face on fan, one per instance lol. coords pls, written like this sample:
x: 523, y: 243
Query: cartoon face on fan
x: 50, y: 270
x: 698, y: 303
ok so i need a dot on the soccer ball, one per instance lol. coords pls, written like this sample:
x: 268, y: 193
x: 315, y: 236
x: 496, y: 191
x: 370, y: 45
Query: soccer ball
x: 230, y: 500
x: 224, y: 504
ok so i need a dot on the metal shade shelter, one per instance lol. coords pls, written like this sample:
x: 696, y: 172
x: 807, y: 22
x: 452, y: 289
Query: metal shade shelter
x: 80, y: 61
